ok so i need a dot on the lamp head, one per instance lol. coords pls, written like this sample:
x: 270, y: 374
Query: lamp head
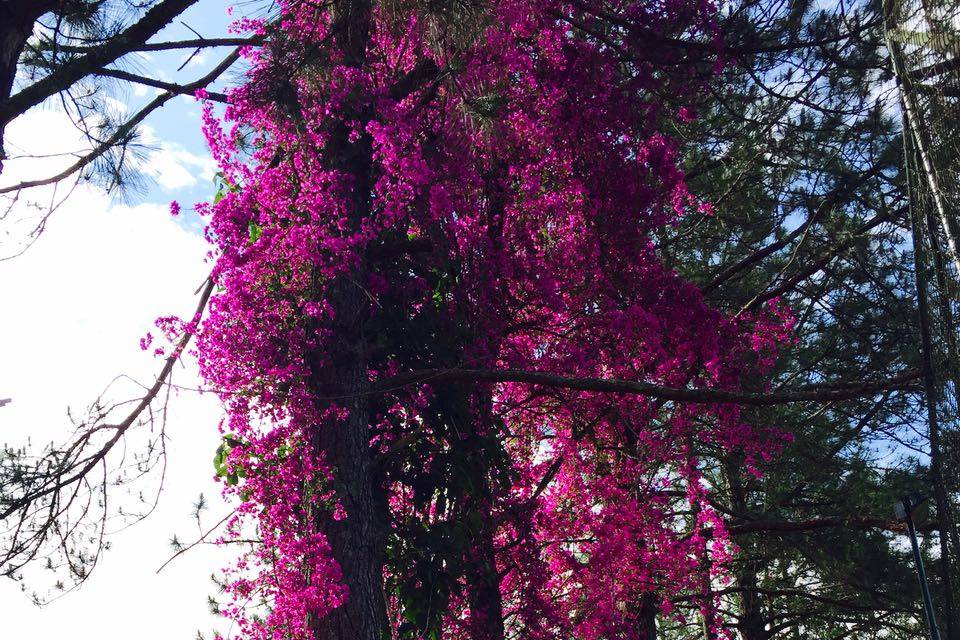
x: 908, y: 504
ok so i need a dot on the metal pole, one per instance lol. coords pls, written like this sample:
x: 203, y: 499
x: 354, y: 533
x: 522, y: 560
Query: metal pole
x: 921, y: 574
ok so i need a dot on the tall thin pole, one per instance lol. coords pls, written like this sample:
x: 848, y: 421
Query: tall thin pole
x: 921, y: 574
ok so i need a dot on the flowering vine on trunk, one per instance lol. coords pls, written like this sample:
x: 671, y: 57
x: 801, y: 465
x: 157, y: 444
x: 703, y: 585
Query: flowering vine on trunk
x: 425, y: 186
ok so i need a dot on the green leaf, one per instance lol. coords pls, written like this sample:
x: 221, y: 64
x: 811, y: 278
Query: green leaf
x: 232, y: 477
x: 255, y: 231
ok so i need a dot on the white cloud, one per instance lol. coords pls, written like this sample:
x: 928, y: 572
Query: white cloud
x: 119, y: 107
x: 73, y: 309
x: 198, y: 60
x: 172, y: 165
x: 47, y: 132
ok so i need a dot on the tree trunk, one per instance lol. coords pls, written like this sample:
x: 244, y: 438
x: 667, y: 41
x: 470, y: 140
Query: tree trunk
x: 358, y: 541
x: 469, y: 413
x: 486, y: 605
x: 751, y: 622
x: 16, y: 25
x: 647, y: 618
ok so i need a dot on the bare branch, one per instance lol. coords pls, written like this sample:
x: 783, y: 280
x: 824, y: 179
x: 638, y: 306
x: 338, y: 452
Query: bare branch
x: 195, y: 43
x: 122, y: 427
x: 198, y: 541
x: 170, y: 87
x: 46, y: 502
x: 852, y: 522
x: 821, y: 393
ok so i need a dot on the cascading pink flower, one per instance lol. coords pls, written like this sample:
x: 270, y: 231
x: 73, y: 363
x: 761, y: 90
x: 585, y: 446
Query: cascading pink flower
x: 524, y: 180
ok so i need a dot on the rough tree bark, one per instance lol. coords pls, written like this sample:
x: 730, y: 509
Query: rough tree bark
x: 483, y: 576
x: 751, y: 623
x: 647, y: 617
x: 16, y: 25
x: 358, y: 542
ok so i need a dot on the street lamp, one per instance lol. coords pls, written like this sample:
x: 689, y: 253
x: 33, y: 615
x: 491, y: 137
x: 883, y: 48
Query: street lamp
x: 904, y: 509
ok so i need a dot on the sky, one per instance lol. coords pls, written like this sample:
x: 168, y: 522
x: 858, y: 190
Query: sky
x: 73, y: 308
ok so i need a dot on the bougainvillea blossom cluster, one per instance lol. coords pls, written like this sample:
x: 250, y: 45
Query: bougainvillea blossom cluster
x: 412, y: 189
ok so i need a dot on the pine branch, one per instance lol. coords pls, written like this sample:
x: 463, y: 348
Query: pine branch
x: 842, y: 192
x: 819, y: 263
x: 129, y: 125
x: 159, y: 16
